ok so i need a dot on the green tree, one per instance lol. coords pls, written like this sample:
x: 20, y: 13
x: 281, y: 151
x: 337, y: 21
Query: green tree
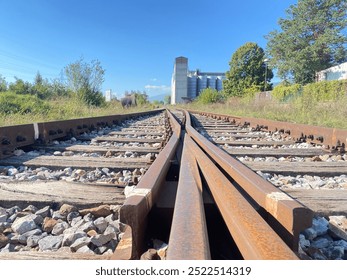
x: 58, y: 89
x: 167, y: 99
x: 209, y: 95
x: 20, y: 87
x: 3, y: 84
x: 38, y: 79
x: 85, y: 81
x: 247, y: 70
x: 141, y: 97
x: 311, y: 39
x: 41, y: 88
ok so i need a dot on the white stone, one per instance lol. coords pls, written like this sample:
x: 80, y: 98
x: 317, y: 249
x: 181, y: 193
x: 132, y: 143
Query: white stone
x: 57, y: 215
x: 33, y: 240
x: 80, y: 242
x: 50, y: 243
x: 70, y: 238
x: 43, y: 212
x: 101, y: 224
x: 12, y: 172
x: 102, y: 239
x: 23, y: 237
x: 30, y: 208
x: 85, y: 250
x: 59, y: 228
x: 87, y: 226
x: 24, y: 224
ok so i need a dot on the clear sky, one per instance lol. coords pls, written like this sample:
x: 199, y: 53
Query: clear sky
x: 136, y: 41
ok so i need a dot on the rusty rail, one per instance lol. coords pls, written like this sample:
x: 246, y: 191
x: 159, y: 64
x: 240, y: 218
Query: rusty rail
x: 188, y: 235
x: 263, y: 221
x: 254, y: 237
x: 14, y: 137
x: 135, y: 210
x: 333, y: 138
x: 287, y: 216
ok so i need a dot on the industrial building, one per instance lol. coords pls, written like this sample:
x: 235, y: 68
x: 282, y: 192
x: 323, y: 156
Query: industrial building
x: 186, y: 85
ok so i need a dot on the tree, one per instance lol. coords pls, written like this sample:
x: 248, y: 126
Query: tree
x: 38, y: 79
x: 311, y: 39
x: 247, y: 70
x: 3, y: 84
x: 209, y: 95
x: 41, y: 88
x: 141, y: 98
x: 20, y: 87
x: 58, y: 88
x: 85, y: 81
x: 167, y: 99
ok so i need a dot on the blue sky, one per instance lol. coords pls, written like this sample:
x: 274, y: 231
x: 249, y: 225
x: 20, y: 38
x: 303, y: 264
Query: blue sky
x: 136, y: 41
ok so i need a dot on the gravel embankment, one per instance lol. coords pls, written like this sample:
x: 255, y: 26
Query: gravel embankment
x: 67, y: 230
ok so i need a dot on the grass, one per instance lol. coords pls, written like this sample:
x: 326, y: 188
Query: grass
x: 64, y: 109
x: 300, y: 110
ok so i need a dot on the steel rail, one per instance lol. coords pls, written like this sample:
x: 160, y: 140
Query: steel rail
x: 287, y: 216
x: 14, y: 137
x: 255, y: 239
x: 188, y: 236
x: 135, y: 209
x: 332, y: 137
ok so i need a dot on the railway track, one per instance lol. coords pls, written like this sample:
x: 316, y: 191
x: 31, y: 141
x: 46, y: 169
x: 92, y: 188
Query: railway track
x: 172, y: 185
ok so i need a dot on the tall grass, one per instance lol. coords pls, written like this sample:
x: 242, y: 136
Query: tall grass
x: 302, y: 109
x: 66, y: 108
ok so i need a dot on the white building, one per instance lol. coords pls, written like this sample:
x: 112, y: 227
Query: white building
x: 179, y: 82
x: 186, y: 85
x: 338, y: 72
x: 109, y: 95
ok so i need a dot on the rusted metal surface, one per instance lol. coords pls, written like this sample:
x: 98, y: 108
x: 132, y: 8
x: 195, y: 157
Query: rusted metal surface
x: 188, y: 235
x: 286, y: 215
x: 124, y: 248
x: 13, y: 137
x: 255, y: 239
x: 332, y: 137
x: 136, y: 208
x: 83, y: 194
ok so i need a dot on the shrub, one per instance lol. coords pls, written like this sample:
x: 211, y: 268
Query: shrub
x: 11, y: 103
x: 325, y: 90
x: 209, y: 95
x: 285, y: 92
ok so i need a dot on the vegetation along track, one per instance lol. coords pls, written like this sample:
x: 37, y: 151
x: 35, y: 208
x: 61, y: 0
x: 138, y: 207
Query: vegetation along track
x: 193, y: 186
